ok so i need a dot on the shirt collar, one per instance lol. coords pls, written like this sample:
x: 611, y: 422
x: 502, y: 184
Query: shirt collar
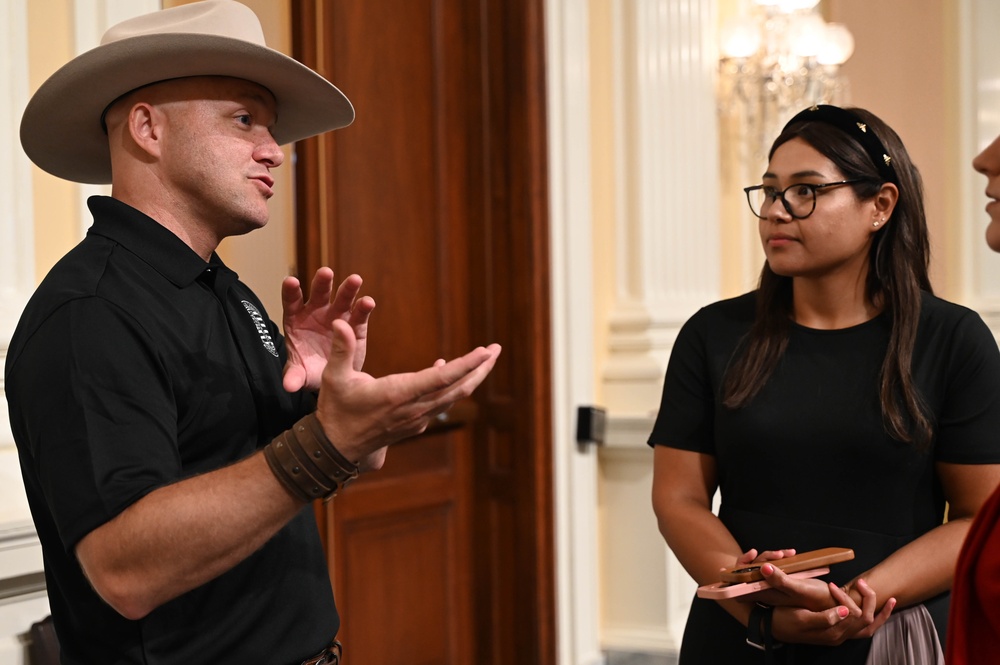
x: 149, y: 240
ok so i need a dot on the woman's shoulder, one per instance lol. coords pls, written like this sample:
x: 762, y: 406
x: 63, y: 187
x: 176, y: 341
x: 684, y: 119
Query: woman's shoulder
x: 949, y: 321
x: 937, y: 310
x: 721, y: 321
x: 742, y: 308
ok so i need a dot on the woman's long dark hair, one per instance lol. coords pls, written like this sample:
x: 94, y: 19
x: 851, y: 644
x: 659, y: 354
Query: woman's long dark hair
x: 897, y: 273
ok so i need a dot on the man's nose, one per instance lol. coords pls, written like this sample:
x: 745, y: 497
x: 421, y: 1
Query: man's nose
x: 270, y: 152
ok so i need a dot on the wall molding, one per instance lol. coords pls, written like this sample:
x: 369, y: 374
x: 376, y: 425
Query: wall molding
x: 92, y: 19
x: 17, y: 266
x: 667, y: 260
x: 667, y: 209
x: 640, y: 639
x: 577, y: 568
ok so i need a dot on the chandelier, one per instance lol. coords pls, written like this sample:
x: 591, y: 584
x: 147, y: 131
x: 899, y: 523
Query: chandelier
x: 777, y: 58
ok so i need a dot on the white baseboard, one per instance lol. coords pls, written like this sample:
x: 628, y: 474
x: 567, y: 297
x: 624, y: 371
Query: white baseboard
x: 639, y: 638
x: 593, y: 659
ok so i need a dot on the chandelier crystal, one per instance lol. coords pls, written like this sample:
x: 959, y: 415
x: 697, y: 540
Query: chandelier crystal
x: 777, y: 59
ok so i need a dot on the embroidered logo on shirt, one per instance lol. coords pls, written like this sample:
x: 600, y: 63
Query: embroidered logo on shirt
x: 258, y: 320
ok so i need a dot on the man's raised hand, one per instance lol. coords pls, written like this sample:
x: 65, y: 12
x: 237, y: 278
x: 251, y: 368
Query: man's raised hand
x: 307, y: 325
x: 361, y: 414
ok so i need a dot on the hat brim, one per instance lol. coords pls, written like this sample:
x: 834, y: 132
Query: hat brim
x: 61, y: 127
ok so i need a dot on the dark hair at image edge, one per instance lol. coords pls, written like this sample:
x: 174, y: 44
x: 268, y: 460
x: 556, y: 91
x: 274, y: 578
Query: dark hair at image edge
x: 897, y: 273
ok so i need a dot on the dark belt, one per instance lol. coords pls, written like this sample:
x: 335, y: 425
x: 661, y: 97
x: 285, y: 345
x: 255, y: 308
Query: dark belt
x: 328, y: 656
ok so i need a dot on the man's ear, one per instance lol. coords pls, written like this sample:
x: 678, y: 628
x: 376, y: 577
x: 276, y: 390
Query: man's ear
x: 145, y: 126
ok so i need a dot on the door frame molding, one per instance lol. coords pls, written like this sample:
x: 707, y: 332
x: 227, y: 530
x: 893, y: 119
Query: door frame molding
x: 567, y: 39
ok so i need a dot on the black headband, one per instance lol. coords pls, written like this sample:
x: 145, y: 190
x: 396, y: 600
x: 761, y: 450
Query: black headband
x: 851, y: 124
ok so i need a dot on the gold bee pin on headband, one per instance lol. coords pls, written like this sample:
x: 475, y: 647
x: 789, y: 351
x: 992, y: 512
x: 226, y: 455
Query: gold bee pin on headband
x: 847, y: 121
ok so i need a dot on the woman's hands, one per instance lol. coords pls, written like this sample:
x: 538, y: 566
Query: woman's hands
x: 807, y: 593
x: 751, y: 556
x: 811, y: 611
x: 872, y: 622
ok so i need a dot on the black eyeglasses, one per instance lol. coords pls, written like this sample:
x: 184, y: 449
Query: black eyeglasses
x: 799, y: 199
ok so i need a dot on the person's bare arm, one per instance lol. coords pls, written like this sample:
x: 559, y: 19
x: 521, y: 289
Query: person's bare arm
x: 183, y: 535
x: 925, y: 567
x: 920, y: 570
x: 684, y: 483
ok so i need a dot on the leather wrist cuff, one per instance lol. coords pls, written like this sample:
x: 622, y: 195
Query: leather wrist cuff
x: 322, y: 450
x: 307, y: 463
x: 290, y: 469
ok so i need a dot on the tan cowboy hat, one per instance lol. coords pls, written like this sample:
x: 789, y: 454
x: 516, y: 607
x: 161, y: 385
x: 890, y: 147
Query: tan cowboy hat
x: 61, y: 130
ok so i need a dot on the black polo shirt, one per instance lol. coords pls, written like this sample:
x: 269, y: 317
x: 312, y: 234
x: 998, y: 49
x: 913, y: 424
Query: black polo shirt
x: 135, y: 365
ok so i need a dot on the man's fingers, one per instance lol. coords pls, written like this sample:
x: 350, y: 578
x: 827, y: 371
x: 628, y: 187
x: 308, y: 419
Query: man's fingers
x: 291, y: 295
x: 359, y: 315
x: 440, y: 377
x: 435, y: 388
x: 471, y: 369
x: 361, y: 310
x: 294, y: 379
x: 364, y: 414
x: 343, y: 345
x: 348, y: 290
x: 322, y: 287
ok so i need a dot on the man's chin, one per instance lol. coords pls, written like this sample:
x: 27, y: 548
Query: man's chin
x: 249, y: 223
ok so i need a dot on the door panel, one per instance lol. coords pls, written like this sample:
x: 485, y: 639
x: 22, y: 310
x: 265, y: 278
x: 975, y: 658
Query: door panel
x: 435, y: 196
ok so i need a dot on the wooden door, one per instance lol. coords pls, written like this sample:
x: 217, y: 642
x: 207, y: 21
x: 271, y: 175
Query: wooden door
x: 436, y: 195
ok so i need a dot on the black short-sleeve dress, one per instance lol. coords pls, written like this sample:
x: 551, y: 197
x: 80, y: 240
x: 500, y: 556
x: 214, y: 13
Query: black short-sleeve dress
x: 808, y: 463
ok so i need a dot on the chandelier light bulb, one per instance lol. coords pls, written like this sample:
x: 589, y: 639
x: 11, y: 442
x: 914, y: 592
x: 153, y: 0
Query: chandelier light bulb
x: 806, y: 34
x: 775, y: 60
x: 796, y: 5
x: 740, y: 37
x: 837, y: 46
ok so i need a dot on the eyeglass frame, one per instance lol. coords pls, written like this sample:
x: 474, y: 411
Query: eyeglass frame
x: 781, y: 195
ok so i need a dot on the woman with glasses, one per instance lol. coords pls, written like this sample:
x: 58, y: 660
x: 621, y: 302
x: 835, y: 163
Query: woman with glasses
x: 841, y: 404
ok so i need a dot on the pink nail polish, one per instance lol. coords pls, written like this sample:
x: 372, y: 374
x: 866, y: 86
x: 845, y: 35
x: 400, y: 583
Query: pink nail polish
x: 843, y: 612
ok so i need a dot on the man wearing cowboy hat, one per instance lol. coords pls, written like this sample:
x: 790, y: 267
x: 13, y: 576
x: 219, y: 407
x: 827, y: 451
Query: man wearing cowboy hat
x: 169, y: 436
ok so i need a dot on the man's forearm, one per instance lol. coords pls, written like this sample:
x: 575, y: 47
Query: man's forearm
x: 183, y: 535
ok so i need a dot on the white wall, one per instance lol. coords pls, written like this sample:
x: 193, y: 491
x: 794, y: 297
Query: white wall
x: 21, y: 588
